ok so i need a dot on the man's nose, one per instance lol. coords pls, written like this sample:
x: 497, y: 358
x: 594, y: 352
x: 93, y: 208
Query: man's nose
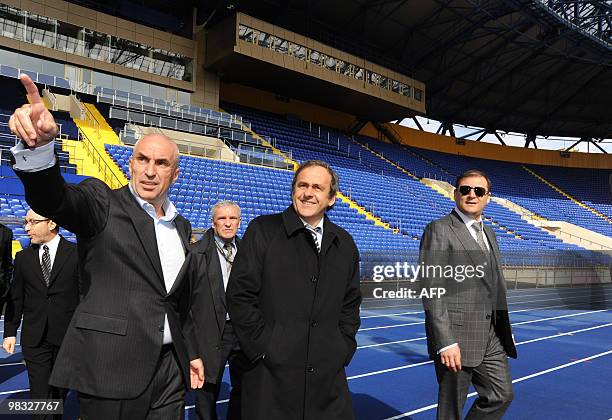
x: 150, y: 168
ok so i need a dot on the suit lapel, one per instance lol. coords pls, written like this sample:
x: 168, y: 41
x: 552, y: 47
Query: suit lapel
x: 61, y: 256
x: 35, y: 264
x: 145, y: 230
x: 183, y: 230
x: 470, y: 245
x: 465, y: 238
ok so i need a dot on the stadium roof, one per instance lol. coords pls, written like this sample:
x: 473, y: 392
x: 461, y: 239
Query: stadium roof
x: 511, y: 65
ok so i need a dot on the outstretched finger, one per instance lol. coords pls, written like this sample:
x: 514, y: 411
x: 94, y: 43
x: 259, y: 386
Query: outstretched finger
x: 30, y: 88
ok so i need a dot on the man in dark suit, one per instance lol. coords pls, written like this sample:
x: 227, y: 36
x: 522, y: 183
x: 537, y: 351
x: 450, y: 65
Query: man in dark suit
x: 6, y: 262
x: 129, y: 350
x: 214, y: 255
x: 468, y: 330
x: 45, y: 291
x: 293, y: 297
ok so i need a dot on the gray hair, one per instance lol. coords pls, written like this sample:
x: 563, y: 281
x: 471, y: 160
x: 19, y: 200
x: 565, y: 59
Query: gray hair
x: 224, y: 203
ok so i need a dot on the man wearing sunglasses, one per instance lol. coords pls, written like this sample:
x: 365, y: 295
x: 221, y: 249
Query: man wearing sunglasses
x: 468, y: 329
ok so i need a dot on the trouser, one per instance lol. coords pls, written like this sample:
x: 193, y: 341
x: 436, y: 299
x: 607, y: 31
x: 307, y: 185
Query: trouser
x: 206, y: 398
x: 163, y: 399
x: 491, y: 380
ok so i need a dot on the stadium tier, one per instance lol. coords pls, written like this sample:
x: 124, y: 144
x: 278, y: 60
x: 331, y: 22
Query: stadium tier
x: 385, y: 190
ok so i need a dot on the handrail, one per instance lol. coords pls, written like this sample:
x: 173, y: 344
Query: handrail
x: 114, y: 181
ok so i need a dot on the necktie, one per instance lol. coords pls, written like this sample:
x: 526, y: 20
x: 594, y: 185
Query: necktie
x: 228, y: 251
x: 46, y: 264
x: 479, y: 238
x: 314, y: 232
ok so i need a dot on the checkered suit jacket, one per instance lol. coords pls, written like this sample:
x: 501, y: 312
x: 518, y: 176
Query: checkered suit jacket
x: 465, y: 313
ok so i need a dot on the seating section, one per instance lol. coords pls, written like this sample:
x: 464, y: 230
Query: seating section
x: 384, y: 189
x: 513, y: 182
x: 591, y: 186
x: 391, y: 192
x: 258, y: 190
x: 123, y: 108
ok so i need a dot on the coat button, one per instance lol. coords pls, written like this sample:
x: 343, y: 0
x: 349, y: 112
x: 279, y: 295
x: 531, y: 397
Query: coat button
x: 161, y: 328
x: 217, y: 348
x: 314, y: 279
x: 314, y: 324
x: 309, y: 369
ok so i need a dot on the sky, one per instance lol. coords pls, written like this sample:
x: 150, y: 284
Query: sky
x: 513, y: 139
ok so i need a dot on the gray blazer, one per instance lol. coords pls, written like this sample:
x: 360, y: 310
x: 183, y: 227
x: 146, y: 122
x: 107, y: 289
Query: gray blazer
x: 463, y: 315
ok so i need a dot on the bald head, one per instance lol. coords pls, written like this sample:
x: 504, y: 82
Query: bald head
x: 161, y: 141
x: 154, y: 168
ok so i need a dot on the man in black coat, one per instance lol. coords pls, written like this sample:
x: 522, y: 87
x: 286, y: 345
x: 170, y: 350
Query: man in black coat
x: 45, y: 291
x: 6, y: 262
x: 293, y: 298
x: 214, y: 256
x: 129, y: 350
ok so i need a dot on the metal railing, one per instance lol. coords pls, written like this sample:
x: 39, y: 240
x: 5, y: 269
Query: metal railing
x: 106, y: 171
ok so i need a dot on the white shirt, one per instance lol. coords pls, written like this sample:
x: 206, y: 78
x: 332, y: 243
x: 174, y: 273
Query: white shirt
x: 318, y: 233
x: 32, y: 160
x: 52, y: 244
x: 169, y: 246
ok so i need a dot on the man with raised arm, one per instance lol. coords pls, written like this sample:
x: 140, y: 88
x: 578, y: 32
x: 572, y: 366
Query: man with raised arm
x: 129, y: 350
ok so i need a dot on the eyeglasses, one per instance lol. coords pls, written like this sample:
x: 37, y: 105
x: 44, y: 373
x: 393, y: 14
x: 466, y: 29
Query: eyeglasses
x: 33, y: 222
x: 479, y: 191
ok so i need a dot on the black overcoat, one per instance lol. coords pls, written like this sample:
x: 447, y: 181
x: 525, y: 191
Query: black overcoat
x: 296, y: 313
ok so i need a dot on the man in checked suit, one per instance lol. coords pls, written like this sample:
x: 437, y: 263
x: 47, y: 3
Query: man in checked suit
x: 45, y: 291
x: 217, y: 341
x: 129, y: 350
x: 468, y: 329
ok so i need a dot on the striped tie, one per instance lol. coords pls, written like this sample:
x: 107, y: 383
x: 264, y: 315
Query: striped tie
x: 314, y: 232
x: 46, y: 265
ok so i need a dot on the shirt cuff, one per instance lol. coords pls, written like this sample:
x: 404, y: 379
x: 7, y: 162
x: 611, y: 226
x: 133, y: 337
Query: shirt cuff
x: 33, y: 160
x: 446, y: 348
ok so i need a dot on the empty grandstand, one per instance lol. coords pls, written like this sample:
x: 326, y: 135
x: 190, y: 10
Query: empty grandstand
x: 249, y: 90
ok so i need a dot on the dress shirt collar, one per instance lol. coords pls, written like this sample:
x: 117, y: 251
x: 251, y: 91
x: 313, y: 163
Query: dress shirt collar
x: 221, y: 243
x: 52, y: 244
x: 319, y: 225
x: 169, y: 210
x: 467, y: 220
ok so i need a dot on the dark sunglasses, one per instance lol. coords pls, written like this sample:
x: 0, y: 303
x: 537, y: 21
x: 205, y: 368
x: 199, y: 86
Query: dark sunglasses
x: 479, y: 191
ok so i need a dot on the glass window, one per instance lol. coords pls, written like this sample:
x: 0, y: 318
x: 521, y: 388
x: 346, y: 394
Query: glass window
x: 102, y: 79
x: 31, y: 63
x: 53, y: 68
x: 121, y: 83
x: 418, y: 94
x: 10, y: 58
x: 158, y: 92
x: 184, y: 97
x: 140, y: 88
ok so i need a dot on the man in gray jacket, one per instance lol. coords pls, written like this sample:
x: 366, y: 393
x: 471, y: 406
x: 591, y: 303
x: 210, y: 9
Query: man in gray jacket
x: 468, y: 329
